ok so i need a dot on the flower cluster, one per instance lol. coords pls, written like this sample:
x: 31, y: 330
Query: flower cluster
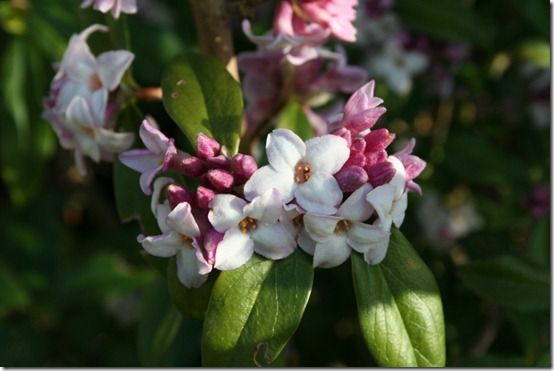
x: 333, y: 193
x: 82, y: 102
x: 291, y: 62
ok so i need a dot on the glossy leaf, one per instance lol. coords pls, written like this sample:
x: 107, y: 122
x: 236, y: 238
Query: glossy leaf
x: 510, y: 282
x: 399, y: 308
x: 202, y: 97
x: 191, y: 302
x: 255, y: 309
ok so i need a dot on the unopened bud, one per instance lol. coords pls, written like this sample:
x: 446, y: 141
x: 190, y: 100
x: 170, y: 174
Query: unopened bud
x: 186, y: 164
x: 211, y: 240
x: 373, y: 158
x: 380, y: 173
x: 344, y: 133
x: 378, y: 140
x: 355, y: 159
x: 204, y: 197
x: 177, y: 194
x: 218, y: 162
x: 221, y: 180
x: 358, y: 145
x: 351, y: 178
x: 243, y: 166
x: 206, y: 147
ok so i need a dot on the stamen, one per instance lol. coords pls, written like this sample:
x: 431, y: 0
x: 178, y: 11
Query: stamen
x: 298, y: 221
x: 247, y: 224
x: 186, y: 239
x: 302, y: 172
x: 95, y: 83
x: 342, y: 226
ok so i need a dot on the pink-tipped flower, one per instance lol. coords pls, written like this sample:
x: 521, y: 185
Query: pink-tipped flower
x: 413, y: 165
x: 362, y: 109
x: 243, y: 166
x: 204, y: 197
x: 153, y: 160
x: 115, y: 6
x: 207, y: 147
x: 308, y: 17
x: 221, y: 180
x: 177, y: 194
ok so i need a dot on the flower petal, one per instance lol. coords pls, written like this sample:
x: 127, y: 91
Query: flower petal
x: 320, y: 228
x: 234, y: 250
x: 274, y: 241
x: 159, y: 185
x: 361, y: 237
x: 266, y: 178
x: 331, y: 253
x: 267, y: 207
x: 226, y: 212
x: 326, y: 154
x: 152, y: 137
x: 377, y: 252
x: 187, y: 268
x: 284, y: 149
x: 319, y: 195
x: 164, y: 245
x: 112, y: 65
x: 355, y: 208
x: 305, y: 242
x: 399, y: 209
x: 114, y: 142
x: 382, y: 198
x: 182, y: 220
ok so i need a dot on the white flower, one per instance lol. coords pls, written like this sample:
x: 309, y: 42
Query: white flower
x: 337, y: 235
x: 397, y: 66
x: 250, y: 227
x: 179, y: 232
x: 301, y: 170
x: 116, y: 6
x: 390, y: 201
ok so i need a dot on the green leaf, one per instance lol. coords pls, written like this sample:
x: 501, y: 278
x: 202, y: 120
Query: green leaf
x: 202, y: 97
x: 537, y: 52
x: 292, y: 117
x: 160, y: 324
x: 448, y: 20
x: 191, y: 302
x: 539, y: 243
x: 14, y: 295
x: 399, y: 308
x: 255, y: 309
x: 509, y: 281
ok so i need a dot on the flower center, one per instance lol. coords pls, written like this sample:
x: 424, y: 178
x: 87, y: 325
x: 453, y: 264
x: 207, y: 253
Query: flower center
x: 302, y: 172
x: 186, y: 239
x: 95, y: 83
x: 298, y: 10
x: 247, y: 224
x: 342, y: 227
x: 298, y: 221
x: 88, y: 132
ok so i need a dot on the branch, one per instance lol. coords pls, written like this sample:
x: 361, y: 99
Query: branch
x: 244, y: 8
x: 151, y: 93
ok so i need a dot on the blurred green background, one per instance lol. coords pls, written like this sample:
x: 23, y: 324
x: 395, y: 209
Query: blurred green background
x: 75, y: 289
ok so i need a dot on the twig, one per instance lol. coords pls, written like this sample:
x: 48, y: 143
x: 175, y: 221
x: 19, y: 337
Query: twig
x: 151, y: 93
x: 244, y: 8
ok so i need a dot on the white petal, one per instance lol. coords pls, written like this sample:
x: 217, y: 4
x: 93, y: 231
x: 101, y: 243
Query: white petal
x: 234, y: 250
x: 187, y: 268
x: 284, y: 149
x: 377, y: 252
x: 331, y: 253
x: 274, y: 241
x: 152, y: 137
x: 226, y: 212
x: 361, y: 237
x: 266, y: 178
x: 398, y: 181
x: 182, y: 220
x: 78, y: 61
x: 159, y: 185
x: 112, y: 66
x: 78, y: 115
x: 355, y: 208
x: 382, y: 198
x: 326, y: 154
x: 321, y: 194
x: 161, y: 212
x: 399, y: 209
x: 306, y: 242
x: 88, y: 146
x: 97, y: 104
x: 320, y: 228
x: 114, y: 142
x: 164, y: 245
x: 267, y: 207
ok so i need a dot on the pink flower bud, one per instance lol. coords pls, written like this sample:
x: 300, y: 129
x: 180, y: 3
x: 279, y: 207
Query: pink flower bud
x: 218, y: 162
x: 358, y: 145
x: 351, y: 178
x: 206, y: 147
x: 221, y: 180
x: 243, y: 166
x: 186, y: 164
x: 177, y: 194
x: 380, y: 173
x: 378, y: 140
x: 373, y: 158
x: 356, y: 159
x: 211, y: 240
x: 204, y: 196
x: 344, y: 133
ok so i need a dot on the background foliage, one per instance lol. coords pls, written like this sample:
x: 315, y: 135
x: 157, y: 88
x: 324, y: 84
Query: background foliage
x: 76, y: 289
